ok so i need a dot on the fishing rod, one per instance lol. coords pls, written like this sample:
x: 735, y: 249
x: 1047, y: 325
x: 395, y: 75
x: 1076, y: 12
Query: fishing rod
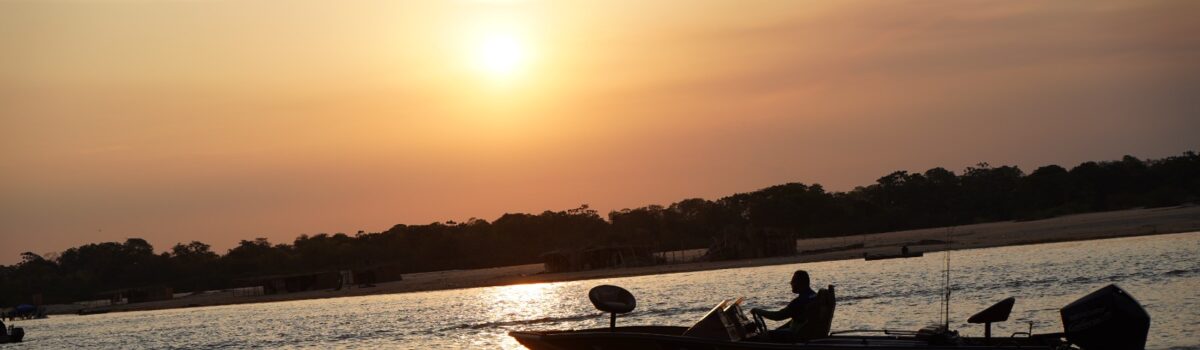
x: 946, y: 286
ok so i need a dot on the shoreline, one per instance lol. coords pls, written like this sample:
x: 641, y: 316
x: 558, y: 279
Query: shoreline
x: 1077, y: 227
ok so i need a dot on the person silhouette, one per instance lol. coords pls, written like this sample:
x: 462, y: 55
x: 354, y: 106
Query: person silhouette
x: 793, y: 311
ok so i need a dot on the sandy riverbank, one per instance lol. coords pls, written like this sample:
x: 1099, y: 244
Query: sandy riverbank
x: 1112, y: 224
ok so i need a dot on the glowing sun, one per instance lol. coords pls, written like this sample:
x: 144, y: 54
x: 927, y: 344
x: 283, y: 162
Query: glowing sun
x: 499, y: 55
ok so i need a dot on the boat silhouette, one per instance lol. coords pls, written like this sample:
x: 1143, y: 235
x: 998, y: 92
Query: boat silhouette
x: 1107, y: 319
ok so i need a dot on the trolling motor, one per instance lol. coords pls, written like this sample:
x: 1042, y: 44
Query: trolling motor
x: 612, y: 299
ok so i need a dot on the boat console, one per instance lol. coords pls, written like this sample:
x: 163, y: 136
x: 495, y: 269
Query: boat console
x: 726, y: 321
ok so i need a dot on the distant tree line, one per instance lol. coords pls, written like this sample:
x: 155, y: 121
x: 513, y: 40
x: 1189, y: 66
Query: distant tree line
x: 898, y: 201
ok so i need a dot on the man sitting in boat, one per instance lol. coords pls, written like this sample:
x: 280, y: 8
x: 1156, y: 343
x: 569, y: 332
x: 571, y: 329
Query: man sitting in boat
x: 793, y: 311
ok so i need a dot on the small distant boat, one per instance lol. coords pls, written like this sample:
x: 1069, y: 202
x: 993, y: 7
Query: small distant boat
x: 95, y: 311
x: 11, y: 334
x: 904, y: 253
x: 869, y: 257
x: 1107, y: 319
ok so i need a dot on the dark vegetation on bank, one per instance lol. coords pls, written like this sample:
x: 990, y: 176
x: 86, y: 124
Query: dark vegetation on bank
x: 897, y: 201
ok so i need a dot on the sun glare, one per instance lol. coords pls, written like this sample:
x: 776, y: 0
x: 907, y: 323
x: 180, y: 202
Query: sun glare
x: 499, y: 55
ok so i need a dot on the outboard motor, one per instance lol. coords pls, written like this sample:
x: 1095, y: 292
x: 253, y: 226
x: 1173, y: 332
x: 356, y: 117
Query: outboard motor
x: 1108, y: 318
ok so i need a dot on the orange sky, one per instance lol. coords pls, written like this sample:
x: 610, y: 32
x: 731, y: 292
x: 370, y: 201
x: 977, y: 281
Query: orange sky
x: 226, y: 120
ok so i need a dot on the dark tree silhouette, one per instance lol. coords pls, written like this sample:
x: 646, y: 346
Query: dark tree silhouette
x: 897, y: 201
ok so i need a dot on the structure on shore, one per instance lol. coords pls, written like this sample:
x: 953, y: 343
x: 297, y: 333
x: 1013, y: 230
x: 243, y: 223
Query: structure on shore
x: 752, y: 243
x: 597, y: 257
x: 330, y: 279
x: 137, y: 295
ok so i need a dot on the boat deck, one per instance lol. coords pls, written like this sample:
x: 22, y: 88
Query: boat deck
x: 669, y: 337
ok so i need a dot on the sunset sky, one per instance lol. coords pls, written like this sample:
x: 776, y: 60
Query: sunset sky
x: 226, y: 120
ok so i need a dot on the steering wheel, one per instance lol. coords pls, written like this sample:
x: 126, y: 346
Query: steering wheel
x: 760, y: 324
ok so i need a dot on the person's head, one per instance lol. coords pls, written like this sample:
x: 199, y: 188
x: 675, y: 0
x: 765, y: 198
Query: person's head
x: 800, y: 281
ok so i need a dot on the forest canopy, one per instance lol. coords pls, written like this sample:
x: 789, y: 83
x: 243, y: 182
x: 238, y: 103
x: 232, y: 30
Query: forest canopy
x: 897, y: 201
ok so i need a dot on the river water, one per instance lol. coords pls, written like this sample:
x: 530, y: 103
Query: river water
x: 1162, y: 272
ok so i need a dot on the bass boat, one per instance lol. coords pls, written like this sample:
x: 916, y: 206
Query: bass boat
x: 1107, y: 319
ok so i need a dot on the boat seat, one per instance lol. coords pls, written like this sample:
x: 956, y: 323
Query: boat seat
x: 818, y: 316
x: 995, y: 313
x: 998, y: 312
x: 612, y: 299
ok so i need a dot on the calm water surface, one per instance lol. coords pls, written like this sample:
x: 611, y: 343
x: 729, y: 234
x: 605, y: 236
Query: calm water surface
x: 1163, y: 272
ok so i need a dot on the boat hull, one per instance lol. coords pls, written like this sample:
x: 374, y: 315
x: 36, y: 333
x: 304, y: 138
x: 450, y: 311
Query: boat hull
x: 662, y: 338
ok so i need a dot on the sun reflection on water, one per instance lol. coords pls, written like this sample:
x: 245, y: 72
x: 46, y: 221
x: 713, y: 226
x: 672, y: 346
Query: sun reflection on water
x: 520, y: 302
x: 522, y: 293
